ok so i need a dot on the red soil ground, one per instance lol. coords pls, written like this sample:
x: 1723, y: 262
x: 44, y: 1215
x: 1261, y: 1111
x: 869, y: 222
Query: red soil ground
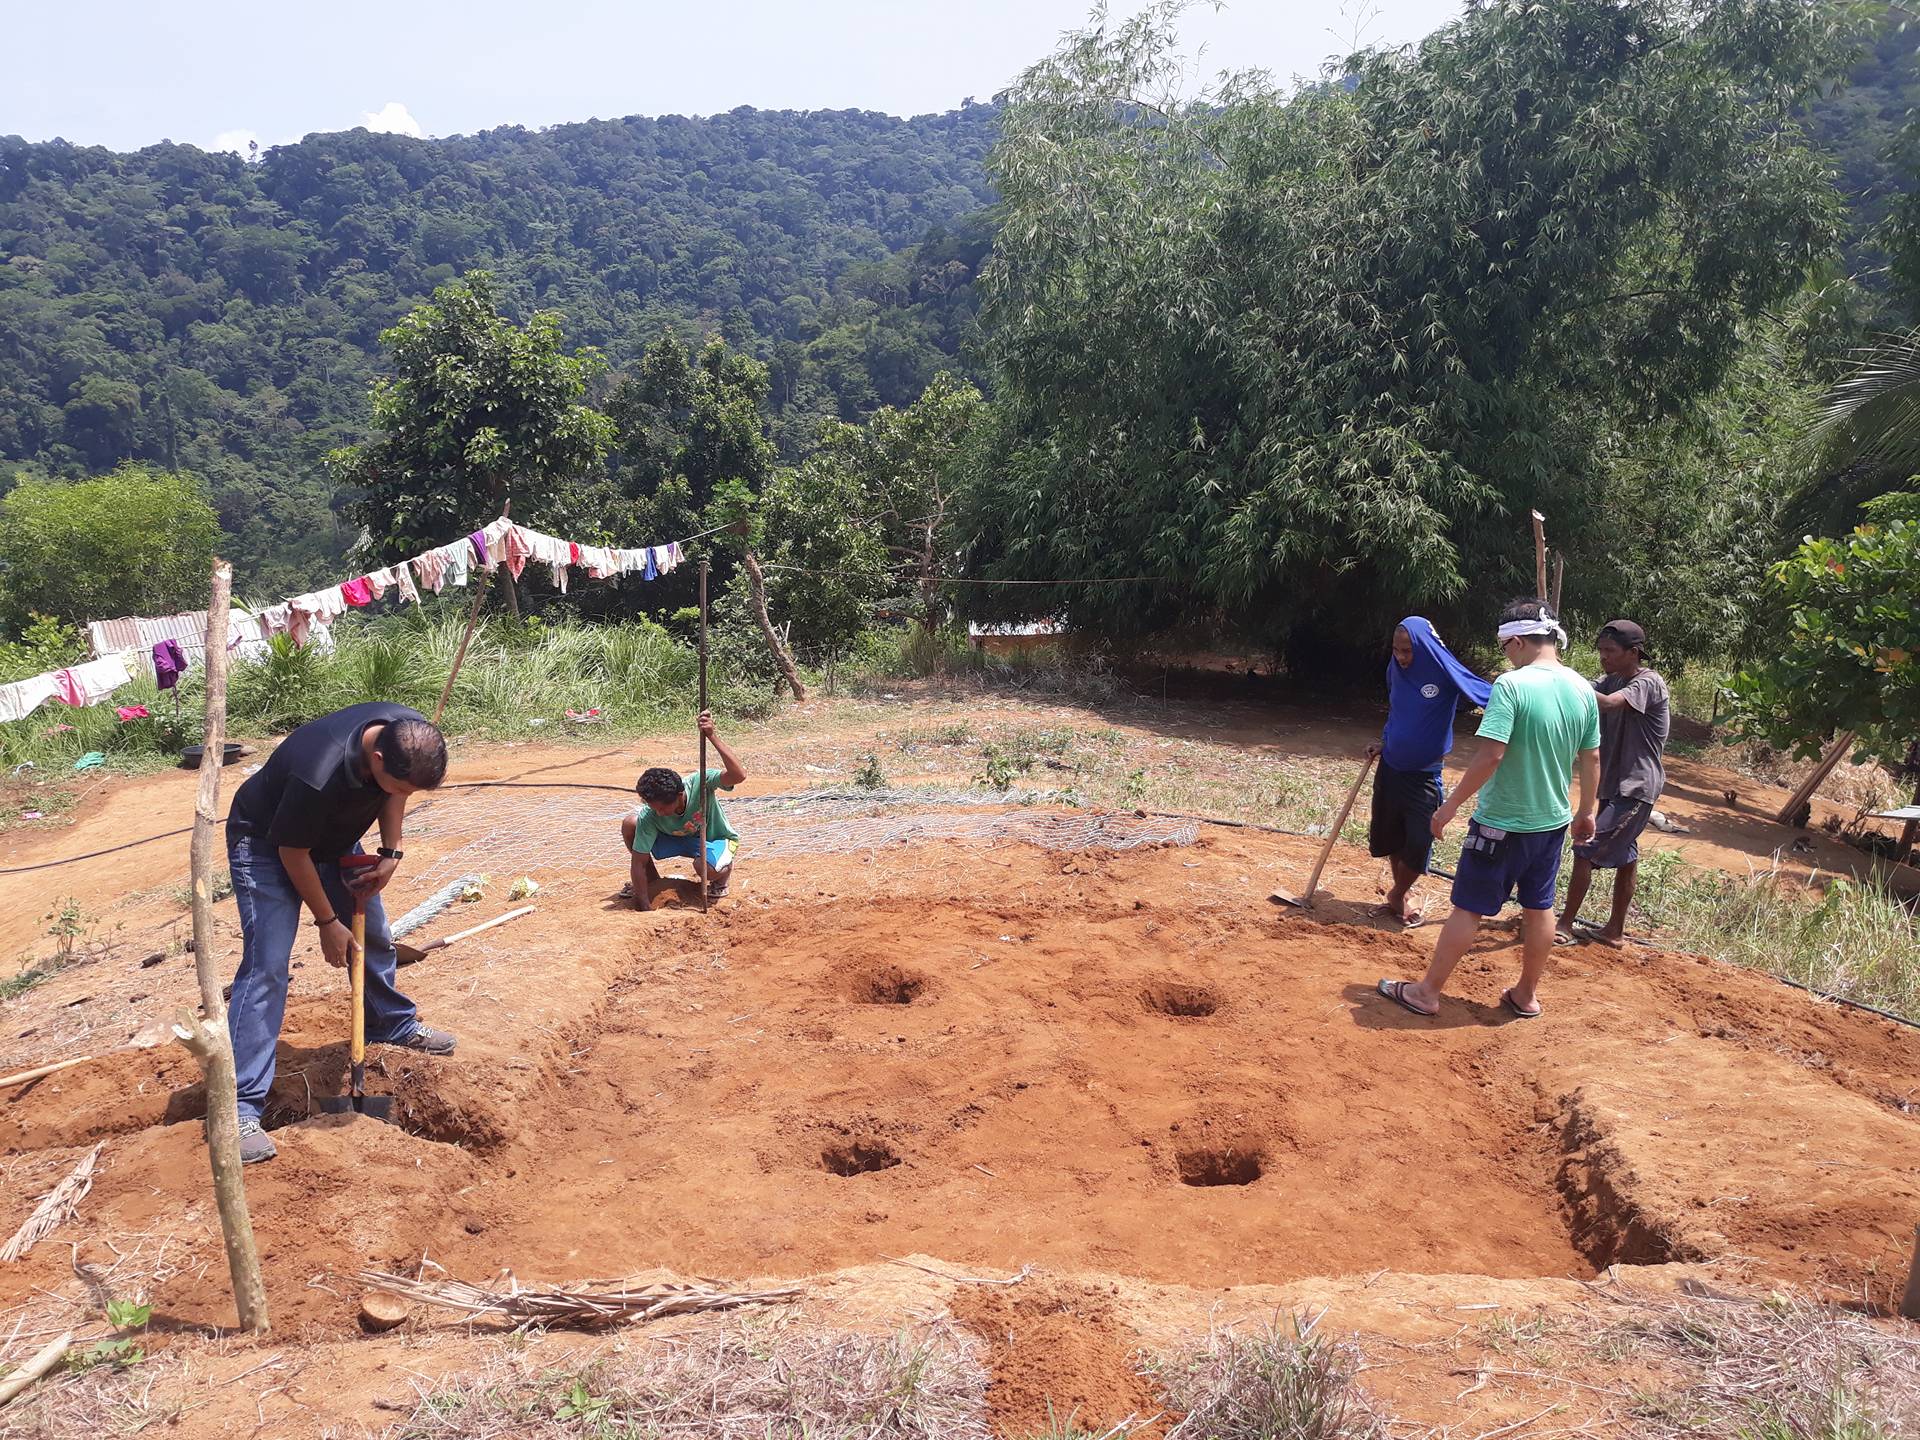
x: 1100, y: 1065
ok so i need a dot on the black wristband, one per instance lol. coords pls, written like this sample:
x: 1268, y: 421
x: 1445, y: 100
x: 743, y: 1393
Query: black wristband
x: 385, y: 854
x: 328, y: 921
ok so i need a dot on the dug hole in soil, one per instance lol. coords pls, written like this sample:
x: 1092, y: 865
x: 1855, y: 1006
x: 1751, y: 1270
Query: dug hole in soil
x: 1109, y: 1065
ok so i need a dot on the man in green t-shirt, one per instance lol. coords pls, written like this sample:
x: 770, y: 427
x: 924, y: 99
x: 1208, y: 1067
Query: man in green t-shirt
x: 1541, y: 726
x: 667, y: 826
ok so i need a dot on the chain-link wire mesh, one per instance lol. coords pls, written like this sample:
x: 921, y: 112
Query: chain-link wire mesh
x: 569, y: 835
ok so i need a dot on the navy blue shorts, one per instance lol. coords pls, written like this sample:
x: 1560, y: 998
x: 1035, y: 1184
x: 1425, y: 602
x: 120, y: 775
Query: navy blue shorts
x: 1402, y: 823
x: 1616, y: 834
x: 1494, y: 864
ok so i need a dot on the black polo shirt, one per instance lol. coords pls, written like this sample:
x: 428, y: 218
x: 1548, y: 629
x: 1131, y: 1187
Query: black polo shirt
x: 314, y: 792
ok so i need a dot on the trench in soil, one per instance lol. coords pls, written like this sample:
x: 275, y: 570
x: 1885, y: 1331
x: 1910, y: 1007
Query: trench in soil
x: 997, y: 1088
x: 1084, y: 1091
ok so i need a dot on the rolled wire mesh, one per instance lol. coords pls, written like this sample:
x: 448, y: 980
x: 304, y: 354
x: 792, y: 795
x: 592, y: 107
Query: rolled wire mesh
x: 558, y: 837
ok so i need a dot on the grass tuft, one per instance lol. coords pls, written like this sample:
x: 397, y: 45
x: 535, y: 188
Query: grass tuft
x: 1270, y: 1382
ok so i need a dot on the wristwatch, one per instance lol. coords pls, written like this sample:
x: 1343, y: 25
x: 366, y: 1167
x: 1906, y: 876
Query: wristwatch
x: 385, y: 854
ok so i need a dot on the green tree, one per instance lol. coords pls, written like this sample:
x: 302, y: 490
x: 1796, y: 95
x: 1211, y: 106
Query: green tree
x: 136, y: 542
x: 1846, y: 618
x: 479, y: 411
x: 1310, y: 359
x: 873, y: 514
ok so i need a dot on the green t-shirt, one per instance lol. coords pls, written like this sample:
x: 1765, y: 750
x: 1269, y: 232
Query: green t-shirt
x: 650, y: 824
x: 1547, y: 716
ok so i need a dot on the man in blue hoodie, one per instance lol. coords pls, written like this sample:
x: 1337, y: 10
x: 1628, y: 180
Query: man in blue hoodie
x: 1425, y: 685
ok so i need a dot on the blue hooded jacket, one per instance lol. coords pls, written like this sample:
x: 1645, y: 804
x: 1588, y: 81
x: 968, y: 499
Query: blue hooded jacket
x: 1422, y: 698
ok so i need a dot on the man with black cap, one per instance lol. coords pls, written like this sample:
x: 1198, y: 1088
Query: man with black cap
x: 1633, y: 736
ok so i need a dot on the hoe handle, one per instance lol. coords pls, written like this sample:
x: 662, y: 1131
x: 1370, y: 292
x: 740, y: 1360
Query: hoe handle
x: 1333, y: 835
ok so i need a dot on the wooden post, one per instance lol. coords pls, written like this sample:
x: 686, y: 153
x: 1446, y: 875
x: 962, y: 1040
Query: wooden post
x: 1910, y: 1302
x: 1836, y: 752
x: 473, y: 617
x: 1559, y: 577
x: 1540, y: 555
x: 205, y: 1035
x: 706, y: 792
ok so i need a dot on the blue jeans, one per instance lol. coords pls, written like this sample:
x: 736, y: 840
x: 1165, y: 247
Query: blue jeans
x: 270, y: 914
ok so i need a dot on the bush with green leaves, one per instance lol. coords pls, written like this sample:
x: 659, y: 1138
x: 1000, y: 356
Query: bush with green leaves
x: 137, y: 542
x: 1845, y: 652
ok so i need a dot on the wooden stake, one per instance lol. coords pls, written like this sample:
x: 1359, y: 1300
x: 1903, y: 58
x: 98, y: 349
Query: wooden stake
x: 36, y: 1367
x: 1836, y: 752
x: 1540, y: 555
x: 1559, y: 577
x: 205, y: 1035
x: 706, y: 797
x: 1910, y: 1302
x: 473, y: 618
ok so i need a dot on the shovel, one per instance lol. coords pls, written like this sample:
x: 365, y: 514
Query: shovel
x: 355, y: 1101
x: 145, y: 1038
x: 1304, y: 901
x: 412, y: 954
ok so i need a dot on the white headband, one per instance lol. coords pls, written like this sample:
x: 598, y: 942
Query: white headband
x: 1541, y: 627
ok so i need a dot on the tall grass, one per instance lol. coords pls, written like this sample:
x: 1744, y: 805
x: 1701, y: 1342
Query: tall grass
x: 1852, y: 939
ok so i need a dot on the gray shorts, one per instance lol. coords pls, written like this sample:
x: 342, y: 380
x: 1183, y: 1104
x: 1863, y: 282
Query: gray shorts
x: 1616, y: 834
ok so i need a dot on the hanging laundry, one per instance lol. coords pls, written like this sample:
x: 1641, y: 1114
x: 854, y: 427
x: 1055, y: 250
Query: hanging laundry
x: 674, y: 556
x: 380, y: 581
x: 459, y: 560
x: 357, y: 592
x: 653, y: 565
x: 573, y: 551
x: 431, y: 569
x: 131, y: 712
x: 479, y: 543
x: 403, y: 578
x: 169, y: 663
x: 274, y: 620
x: 518, y: 550
x: 92, y: 682
x: 23, y: 697
x: 317, y: 608
x: 599, y: 561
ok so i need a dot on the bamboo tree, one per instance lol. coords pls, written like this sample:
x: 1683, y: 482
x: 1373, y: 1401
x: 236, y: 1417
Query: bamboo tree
x: 205, y: 1035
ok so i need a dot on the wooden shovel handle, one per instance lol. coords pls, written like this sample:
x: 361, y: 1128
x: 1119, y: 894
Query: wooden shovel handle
x: 1333, y: 835
x: 25, y: 1075
x: 476, y: 929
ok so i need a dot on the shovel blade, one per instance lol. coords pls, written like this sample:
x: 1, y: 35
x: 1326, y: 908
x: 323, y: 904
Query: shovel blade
x: 377, y: 1107
x: 1299, y: 902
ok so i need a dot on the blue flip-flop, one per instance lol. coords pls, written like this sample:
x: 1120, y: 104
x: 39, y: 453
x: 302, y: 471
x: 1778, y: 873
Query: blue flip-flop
x: 1506, y: 1004
x: 1395, y: 990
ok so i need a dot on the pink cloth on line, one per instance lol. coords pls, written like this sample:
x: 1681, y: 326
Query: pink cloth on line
x: 357, y: 592
x: 432, y: 568
x: 519, y: 551
x: 573, y: 549
x: 65, y: 689
x: 380, y: 581
x: 403, y: 577
x: 559, y: 577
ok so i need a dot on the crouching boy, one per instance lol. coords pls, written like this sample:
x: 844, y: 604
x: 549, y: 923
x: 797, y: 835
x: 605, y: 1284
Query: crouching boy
x: 667, y: 826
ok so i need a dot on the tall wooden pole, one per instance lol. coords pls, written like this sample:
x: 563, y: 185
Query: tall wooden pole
x: 473, y: 617
x: 1559, y: 578
x: 1540, y: 555
x: 706, y: 796
x: 205, y: 1034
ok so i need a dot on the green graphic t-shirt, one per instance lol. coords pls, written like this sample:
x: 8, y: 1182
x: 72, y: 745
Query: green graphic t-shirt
x: 650, y: 824
x: 1546, y: 715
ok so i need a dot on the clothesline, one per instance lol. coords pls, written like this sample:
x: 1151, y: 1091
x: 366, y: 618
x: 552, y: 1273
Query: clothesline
x: 302, y: 617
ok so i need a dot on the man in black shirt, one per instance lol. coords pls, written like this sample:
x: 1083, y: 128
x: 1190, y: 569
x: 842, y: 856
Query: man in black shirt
x: 289, y: 826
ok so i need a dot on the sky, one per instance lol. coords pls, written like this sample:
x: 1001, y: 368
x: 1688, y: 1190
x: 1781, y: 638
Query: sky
x: 216, y: 73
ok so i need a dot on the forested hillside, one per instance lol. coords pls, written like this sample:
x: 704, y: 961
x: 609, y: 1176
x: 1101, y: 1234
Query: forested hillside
x: 195, y: 310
